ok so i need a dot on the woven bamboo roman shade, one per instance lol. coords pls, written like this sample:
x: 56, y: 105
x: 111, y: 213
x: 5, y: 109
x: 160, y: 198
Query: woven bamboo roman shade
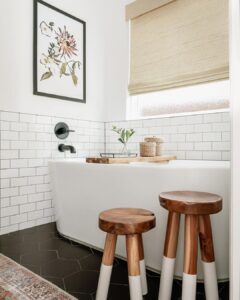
x: 182, y: 43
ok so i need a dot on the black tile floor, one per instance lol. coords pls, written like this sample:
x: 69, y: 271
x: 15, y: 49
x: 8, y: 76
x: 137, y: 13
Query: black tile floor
x: 75, y: 268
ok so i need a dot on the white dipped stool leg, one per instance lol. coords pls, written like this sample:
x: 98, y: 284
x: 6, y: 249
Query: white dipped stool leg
x: 106, y: 267
x: 168, y: 262
x: 208, y: 259
x: 142, y: 266
x: 210, y: 281
x: 132, y: 243
x: 190, y: 257
x: 103, y: 282
x: 189, y: 285
x: 167, y: 273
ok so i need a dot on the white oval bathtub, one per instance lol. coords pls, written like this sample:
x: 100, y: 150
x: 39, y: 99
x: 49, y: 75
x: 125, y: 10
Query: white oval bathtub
x: 81, y: 191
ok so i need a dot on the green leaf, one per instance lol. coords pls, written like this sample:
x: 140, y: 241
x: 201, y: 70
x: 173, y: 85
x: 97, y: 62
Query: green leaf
x: 75, y: 79
x: 63, y: 69
x: 46, y: 75
x: 120, y: 140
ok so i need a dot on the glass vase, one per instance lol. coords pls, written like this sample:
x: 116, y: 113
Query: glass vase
x: 125, y: 150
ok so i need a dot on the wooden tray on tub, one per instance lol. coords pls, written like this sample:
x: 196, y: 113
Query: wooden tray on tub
x: 126, y: 160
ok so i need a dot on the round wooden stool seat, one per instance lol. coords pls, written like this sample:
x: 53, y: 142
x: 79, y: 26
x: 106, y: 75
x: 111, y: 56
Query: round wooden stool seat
x: 191, y: 203
x: 124, y: 221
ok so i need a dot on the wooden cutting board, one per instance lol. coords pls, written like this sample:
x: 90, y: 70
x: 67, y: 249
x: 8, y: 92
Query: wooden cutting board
x: 126, y: 160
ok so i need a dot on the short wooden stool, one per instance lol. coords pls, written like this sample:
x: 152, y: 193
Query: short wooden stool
x: 131, y: 222
x: 197, y: 208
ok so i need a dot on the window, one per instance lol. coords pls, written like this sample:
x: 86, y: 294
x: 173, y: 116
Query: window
x: 203, y: 97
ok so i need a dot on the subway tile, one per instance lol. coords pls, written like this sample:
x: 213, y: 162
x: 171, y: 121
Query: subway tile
x: 226, y: 155
x: 26, y: 225
x: 212, y: 155
x: 27, y: 154
x: 198, y: 155
x: 28, y: 118
x: 203, y: 146
x: 212, y: 136
x: 186, y: 128
x: 44, y: 120
x: 27, y: 136
x: 36, y: 197
x: 43, y: 188
x: 223, y: 127
x: 8, y: 154
x: 36, y: 127
x: 35, y: 215
x: 5, y: 164
x: 28, y: 189
x: 21, y: 181
x: 35, y: 180
x: 18, y: 219
x: 202, y: 127
x: 4, y: 183
x: 5, y: 221
x: 9, y: 229
x: 5, y: 202
x: 4, y: 125
x: 17, y: 200
x: 19, y: 145
x: 221, y: 146
x: 226, y: 136
x: 27, y: 171
x: 43, y: 136
x: 212, y: 118
x: 9, y: 135
x: 194, y: 137
x: 44, y: 204
x: 5, y: 145
x: 9, y: 116
x: 197, y: 119
x: 9, y: 173
x: 27, y: 207
x: 19, y: 163
x: 9, y: 211
x: 17, y: 126
x: 35, y: 162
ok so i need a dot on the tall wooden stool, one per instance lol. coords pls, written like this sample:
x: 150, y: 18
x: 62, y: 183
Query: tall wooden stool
x: 197, y: 207
x: 131, y: 222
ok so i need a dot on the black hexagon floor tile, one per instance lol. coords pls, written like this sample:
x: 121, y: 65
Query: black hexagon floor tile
x: 55, y: 244
x: 75, y: 267
x: 60, y: 268
x: 82, y: 282
x: 74, y: 252
x: 81, y: 296
x: 39, y: 258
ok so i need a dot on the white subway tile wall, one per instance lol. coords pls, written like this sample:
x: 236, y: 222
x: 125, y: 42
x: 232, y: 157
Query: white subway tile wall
x: 27, y: 143
x: 202, y: 136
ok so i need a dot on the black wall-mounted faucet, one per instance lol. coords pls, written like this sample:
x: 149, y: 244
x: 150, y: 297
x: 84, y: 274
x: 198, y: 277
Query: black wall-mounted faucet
x: 63, y: 148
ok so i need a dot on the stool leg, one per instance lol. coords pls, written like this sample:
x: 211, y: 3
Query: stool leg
x: 208, y: 259
x: 133, y: 267
x: 142, y: 265
x: 190, y: 258
x: 170, y: 250
x: 106, y: 267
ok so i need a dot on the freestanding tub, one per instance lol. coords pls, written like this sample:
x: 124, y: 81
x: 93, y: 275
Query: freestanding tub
x: 81, y: 191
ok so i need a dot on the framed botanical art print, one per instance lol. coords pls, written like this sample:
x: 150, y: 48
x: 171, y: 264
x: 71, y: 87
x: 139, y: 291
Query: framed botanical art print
x: 59, y: 66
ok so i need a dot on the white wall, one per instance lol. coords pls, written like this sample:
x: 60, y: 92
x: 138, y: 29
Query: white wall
x: 16, y: 51
x: 117, y: 52
x: 235, y: 120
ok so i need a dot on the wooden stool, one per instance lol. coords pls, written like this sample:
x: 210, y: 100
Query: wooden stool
x: 131, y: 222
x: 197, y: 207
